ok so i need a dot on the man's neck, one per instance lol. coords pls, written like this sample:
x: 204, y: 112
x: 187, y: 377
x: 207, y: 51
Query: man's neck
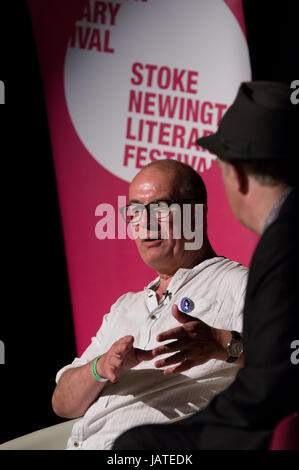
x: 166, y: 277
x: 262, y: 201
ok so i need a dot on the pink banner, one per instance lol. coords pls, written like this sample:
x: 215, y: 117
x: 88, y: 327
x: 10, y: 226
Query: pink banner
x: 128, y: 82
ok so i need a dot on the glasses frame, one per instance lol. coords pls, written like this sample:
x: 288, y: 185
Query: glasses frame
x: 147, y: 207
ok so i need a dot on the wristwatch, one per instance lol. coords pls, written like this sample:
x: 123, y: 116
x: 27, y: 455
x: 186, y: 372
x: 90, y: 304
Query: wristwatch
x: 234, y: 347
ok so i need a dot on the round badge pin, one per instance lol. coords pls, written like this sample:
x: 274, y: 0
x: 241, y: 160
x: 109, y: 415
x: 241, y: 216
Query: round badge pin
x: 186, y: 305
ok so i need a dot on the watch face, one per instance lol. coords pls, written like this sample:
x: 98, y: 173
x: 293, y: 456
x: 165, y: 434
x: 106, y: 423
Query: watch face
x: 235, y: 348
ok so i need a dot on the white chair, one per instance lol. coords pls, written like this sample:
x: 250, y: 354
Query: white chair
x: 51, y: 438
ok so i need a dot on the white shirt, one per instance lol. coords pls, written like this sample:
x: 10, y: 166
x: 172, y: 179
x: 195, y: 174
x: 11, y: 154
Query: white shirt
x: 143, y: 394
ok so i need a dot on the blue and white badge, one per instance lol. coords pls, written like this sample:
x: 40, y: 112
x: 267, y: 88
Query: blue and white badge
x: 186, y: 305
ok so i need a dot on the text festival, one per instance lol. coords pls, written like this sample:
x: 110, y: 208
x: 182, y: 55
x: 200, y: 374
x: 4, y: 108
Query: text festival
x: 161, y: 107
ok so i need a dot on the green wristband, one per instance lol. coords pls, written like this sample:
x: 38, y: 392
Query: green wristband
x: 94, y: 370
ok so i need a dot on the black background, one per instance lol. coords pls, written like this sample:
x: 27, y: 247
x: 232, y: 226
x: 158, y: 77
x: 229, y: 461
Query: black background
x: 36, y: 313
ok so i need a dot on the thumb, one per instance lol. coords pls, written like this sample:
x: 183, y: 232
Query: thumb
x: 142, y: 355
x: 127, y: 343
x: 181, y: 316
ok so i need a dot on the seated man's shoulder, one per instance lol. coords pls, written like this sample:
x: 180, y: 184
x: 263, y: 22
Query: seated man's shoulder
x: 222, y: 277
x: 128, y: 298
x: 231, y: 275
x: 229, y: 269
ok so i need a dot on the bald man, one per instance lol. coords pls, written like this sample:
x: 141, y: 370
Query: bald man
x: 118, y: 382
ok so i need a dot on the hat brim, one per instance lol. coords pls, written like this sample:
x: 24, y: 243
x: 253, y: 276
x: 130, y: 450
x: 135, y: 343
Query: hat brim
x: 216, y: 147
x: 212, y: 143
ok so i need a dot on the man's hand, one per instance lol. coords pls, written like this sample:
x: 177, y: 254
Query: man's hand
x: 121, y: 356
x: 196, y: 343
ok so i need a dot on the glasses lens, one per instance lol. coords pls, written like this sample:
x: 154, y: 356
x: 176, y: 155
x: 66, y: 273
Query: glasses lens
x: 134, y: 212
x: 161, y: 209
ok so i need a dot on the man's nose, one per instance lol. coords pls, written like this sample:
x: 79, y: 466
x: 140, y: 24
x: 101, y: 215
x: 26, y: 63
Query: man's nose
x: 149, y: 220
x: 144, y: 219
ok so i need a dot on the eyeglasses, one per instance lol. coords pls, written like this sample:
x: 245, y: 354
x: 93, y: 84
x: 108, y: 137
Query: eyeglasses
x: 159, y: 209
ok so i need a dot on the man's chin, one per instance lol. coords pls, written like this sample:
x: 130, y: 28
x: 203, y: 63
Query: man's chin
x: 152, y: 253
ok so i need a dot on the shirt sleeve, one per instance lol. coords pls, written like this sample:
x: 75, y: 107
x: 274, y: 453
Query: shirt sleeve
x: 97, y: 345
x: 92, y: 351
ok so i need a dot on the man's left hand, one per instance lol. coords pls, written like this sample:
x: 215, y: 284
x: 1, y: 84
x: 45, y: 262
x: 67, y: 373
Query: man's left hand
x: 195, y: 343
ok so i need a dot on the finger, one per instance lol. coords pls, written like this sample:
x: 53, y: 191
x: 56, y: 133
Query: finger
x: 170, y: 347
x: 174, y: 359
x: 114, y: 368
x: 111, y: 374
x: 112, y: 377
x: 142, y: 355
x: 181, y: 316
x: 123, y: 345
x: 179, y: 332
x: 186, y: 365
x: 127, y: 340
x: 116, y: 362
x: 175, y: 333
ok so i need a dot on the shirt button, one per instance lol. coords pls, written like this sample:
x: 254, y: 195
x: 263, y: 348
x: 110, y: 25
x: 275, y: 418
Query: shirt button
x: 76, y: 444
x: 153, y: 317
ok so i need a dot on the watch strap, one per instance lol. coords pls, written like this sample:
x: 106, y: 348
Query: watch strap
x: 231, y: 359
x: 237, y: 337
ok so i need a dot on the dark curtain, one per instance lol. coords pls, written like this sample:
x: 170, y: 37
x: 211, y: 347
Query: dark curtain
x: 36, y: 314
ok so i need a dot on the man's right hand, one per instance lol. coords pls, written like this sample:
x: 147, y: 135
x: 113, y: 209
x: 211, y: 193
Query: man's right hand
x: 120, y: 357
x: 77, y: 389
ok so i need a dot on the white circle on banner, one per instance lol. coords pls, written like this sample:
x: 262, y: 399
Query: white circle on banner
x: 190, y: 57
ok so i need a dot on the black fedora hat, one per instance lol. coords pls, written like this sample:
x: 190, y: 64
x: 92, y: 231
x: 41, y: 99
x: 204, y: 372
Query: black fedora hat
x: 261, y: 124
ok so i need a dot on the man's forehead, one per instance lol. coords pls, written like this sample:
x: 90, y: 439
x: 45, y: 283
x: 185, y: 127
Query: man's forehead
x: 152, y: 182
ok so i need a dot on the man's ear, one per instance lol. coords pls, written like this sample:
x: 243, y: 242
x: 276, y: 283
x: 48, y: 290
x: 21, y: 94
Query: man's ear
x: 240, y: 177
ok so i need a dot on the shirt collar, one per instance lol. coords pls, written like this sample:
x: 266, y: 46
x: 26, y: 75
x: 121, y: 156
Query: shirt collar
x: 181, y: 276
x: 275, y: 209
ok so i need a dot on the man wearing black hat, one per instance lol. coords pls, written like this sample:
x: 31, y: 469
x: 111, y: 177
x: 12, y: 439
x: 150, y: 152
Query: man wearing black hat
x: 257, y: 147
